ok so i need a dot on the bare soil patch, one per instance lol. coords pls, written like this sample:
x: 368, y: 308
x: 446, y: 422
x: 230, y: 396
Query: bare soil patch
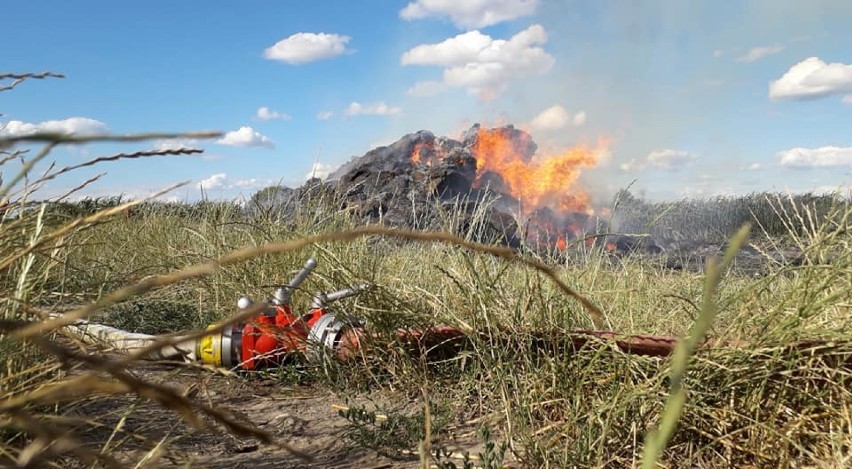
x: 300, y: 416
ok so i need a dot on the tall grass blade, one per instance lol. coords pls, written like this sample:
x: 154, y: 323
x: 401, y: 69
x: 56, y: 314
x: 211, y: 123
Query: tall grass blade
x: 656, y: 441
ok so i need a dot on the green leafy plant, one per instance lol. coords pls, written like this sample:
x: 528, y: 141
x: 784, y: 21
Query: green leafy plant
x: 389, y: 433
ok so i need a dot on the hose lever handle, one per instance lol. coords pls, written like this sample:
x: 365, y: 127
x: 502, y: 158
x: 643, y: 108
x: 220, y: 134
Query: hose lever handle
x: 322, y: 299
x: 282, y: 294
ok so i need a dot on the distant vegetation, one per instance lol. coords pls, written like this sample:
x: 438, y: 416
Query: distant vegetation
x: 717, y: 218
x: 711, y: 219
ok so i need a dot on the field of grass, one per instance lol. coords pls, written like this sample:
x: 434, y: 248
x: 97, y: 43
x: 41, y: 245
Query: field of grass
x: 779, y: 394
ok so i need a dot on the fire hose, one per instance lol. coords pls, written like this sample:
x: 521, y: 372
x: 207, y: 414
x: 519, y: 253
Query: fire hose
x: 277, y: 335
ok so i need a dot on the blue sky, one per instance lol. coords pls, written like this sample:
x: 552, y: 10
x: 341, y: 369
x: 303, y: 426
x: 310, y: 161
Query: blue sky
x: 696, y: 99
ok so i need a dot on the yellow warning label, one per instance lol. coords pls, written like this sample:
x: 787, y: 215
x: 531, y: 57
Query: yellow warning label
x: 209, y: 349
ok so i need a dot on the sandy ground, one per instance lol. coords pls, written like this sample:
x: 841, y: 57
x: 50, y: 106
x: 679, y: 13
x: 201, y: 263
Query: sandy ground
x: 300, y: 416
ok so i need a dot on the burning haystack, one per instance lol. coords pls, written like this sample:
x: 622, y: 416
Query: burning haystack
x: 492, y: 181
x: 492, y: 184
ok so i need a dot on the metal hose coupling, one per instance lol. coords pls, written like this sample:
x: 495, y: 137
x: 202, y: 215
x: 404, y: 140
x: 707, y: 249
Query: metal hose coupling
x: 324, y: 337
x: 221, y: 348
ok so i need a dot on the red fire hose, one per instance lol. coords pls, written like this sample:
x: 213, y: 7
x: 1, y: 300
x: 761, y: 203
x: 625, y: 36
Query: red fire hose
x: 277, y: 335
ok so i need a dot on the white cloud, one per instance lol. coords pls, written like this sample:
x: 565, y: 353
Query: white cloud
x: 555, y: 118
x: 672, y: 160
x: 175, y: 144
x: 822, y: 157
x: 219, y: 182
x: 458, y: 50
x: 319, y: 170
x: 758, y: 53
x: 214, y: 182
x: 426, y: 88
x: 72, y: 125
x: 266, y: 114
x: 307, y: 47
x: 246, y: 137
x: 753, y: 167
x: 481, y: 64
x: 373, y: 109
x: 325, y: 115
x: 847, y: 99
x: 667, y: 159
x: 812, y: 78
x: 718, y: 53
x: 552, y: 118
x: 470, y: 14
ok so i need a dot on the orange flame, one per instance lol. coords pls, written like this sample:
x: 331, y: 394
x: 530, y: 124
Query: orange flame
x: 544, y: 181
x: 416, y: 153
x: 537, y: 181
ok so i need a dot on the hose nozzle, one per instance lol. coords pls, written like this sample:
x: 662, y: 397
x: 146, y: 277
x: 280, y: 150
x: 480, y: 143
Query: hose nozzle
x: 282, y: 294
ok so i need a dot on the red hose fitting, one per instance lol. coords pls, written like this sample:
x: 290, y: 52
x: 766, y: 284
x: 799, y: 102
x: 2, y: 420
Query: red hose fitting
x: 267, y: 340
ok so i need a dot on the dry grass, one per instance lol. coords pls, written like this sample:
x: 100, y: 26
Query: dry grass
x: 783, y: 399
